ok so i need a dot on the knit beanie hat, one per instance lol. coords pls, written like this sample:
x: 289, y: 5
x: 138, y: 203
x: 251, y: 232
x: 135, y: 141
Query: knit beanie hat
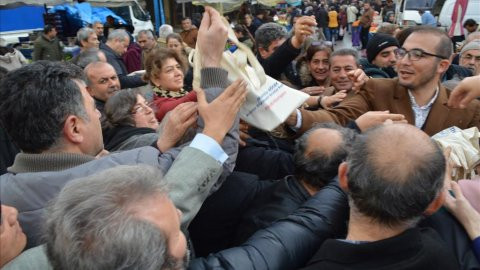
x: 377, y: 43
x: 472, y: 45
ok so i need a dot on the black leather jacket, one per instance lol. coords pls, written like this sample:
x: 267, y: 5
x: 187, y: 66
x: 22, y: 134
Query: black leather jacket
x: 289, y: 243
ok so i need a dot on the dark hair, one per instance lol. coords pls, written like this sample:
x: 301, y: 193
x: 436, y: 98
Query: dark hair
x: 47, y: 28
x: 186, y: 18
x: 174, y: 36
x: 267, y: 33
x: 36, y: 99
x: 118, y: 109
x: 347, y: 52
x: 403, y: 35
x: 389, y: 191
x: 240, y: 28
x: 469, y: 22
x: 310, y: 53
x: 4, y: 50
x: 3, y: 72
x: 156, y: 58
x: 444, y: 46
x: 313, y: 49
x: 319, y: 168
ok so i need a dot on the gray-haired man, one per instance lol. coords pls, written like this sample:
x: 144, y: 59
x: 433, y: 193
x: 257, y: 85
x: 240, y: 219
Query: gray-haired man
x: 115, y: 47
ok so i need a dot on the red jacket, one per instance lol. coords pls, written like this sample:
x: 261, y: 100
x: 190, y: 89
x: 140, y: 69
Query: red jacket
x: 163, y: 105
x: 133, y: 58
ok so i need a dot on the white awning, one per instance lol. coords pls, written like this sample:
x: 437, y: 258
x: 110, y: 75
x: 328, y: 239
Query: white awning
x: 102, y: 3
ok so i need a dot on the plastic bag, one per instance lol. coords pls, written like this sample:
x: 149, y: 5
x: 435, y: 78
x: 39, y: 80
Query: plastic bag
x: 268, y: 102
x: 465, y: 149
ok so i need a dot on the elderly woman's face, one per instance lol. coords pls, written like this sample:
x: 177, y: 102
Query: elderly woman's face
x: 143, y: 115
x: 170, y: 77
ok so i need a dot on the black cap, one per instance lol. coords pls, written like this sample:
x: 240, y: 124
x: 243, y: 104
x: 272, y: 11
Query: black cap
x: 377, y: 43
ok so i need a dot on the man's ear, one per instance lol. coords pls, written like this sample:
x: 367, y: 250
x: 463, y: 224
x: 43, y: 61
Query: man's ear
x: 89, y: 90
x: 435, y: 204
x: 342, y: 176
x: 71, y: 130
x: 443, y: 65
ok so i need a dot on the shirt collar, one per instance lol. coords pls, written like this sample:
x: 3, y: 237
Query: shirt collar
x: 428, y: 105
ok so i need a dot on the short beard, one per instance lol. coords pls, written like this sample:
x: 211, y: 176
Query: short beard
x: 423, y: 80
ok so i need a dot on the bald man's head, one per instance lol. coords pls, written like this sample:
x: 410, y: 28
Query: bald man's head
x: 394, y: 173
x: 102, y: 80
x: 319, y: 152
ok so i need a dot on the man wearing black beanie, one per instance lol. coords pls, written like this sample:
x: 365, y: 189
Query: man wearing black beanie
x: 381, y: 59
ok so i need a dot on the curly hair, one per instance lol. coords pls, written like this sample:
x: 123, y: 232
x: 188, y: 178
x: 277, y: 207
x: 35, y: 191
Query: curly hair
x: 155, y: 60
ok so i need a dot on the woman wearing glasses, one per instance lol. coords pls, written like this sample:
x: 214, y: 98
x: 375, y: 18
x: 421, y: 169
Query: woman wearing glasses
x: 130, y: 122
x: 165, y: 71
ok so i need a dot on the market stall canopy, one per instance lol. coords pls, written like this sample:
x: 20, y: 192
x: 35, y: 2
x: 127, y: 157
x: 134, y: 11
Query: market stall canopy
x: 269, y: 3
x: 225, y: 6
x: 16, y: 3
x: 102, y: 3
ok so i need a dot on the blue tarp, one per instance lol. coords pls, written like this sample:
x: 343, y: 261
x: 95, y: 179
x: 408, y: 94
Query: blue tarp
x: 294, y: 2
x: 82, y: 14
x: 13, y: 19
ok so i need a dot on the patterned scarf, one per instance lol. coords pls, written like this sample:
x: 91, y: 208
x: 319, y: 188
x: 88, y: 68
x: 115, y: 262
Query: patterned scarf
x: 169, y: 94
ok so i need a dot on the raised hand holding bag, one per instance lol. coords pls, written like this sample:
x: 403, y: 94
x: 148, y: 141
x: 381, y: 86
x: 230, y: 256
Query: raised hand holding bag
x: 269, y: 102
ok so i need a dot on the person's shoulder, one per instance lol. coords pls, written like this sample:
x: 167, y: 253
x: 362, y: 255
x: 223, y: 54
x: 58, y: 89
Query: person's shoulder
x: 39, y: 40
x: 383, y: 83
x: 143, y: 155
x: 34, y: 258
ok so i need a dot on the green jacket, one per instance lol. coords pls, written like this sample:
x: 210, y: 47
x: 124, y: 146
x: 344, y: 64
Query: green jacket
x: 45, y: 49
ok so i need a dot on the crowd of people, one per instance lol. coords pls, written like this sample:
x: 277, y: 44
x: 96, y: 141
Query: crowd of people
x: 113, y: 160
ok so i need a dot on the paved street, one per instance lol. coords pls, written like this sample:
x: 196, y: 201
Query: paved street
x: 345, y: 43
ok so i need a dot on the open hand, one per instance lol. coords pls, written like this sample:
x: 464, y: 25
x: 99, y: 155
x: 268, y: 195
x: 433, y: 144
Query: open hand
x: 329, y: 101
x: 467, y: 90
x: 313, y: 90
x: 175, y: 124
x: 303, y: 28
x: 374, y: 118
x: 221, y: 112
x: 212, y: 37
x: 359, y: 78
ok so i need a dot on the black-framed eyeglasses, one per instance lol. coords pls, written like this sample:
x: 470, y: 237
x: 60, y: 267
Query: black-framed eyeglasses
x: 414, y: 54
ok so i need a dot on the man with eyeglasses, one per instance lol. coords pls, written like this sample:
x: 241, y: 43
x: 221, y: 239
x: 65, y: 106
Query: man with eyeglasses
x: 416, y: 93
x: 470, y: 56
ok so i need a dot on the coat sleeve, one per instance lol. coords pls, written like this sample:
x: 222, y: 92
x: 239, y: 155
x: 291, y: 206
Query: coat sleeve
x: 189, y: 179
x: 288, y: 243
x: 132, y: 60
x: 348, y: 110
x: 125, y: 80
x: 214, y: 81
x: 164, y: 105
x: 131, y: 81
x: 280, y: 59
x: 188, y: 196
x: 37, y: 50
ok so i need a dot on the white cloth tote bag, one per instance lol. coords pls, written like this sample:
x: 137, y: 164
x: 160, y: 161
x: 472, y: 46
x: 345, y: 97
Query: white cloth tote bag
x: 269, y: 102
